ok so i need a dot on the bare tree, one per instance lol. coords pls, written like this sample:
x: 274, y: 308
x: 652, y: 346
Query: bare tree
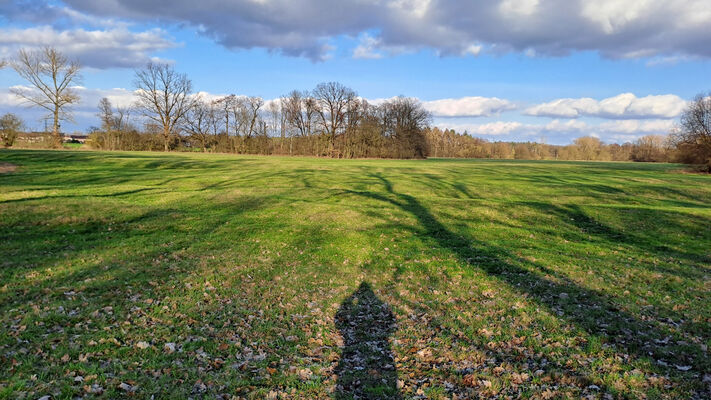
x: 276, y: 127
x: 51, y: 75
x: 693, y: 137
x: 106, y: 114
x: 226, y: 105
x: 299, y: 109
x: 164, y: 97
x: 202, y: 121
x: 650, y: 148
x: 249, y: 115
x: 333, y: 100
x: 114, y: 124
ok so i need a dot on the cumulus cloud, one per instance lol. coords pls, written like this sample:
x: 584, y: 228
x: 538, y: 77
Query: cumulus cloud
x: 637, y: 127
x: 617, y: 29
x: 618, y: 130
x: 625, y: 105
x: 369, y: 47
x: 89, y: 98
x: 84, y: 112
x: 468, y: 107
x: 115, y: 47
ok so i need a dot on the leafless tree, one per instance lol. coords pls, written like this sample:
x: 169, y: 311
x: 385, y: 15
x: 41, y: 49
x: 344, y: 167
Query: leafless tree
x: 693, y: 137
x: 51, y: 75
x: 333, y: 100
x: 249, y: 115
x: 164, y: 97
x: 106, y: 114
x: 274, y: 113
x: 226, y: 106
x: 298, y: 109
x: 115, y: 122
x: 202, y: 121
x: 650, y: 148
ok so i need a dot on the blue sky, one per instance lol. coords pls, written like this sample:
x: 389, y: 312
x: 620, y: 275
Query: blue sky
x: 548, y: 70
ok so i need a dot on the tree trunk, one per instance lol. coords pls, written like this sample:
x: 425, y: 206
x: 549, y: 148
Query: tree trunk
x: 166, y: 139
x: 56, y: 136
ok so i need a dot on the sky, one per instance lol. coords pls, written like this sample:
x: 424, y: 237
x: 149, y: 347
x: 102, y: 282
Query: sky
x: 524, y: 70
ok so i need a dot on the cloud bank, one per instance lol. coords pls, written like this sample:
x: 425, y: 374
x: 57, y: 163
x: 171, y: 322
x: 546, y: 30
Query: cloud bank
x: 625, y: 105
x: 619, y: 130
x: 615, y: 29
x: 115, y: 47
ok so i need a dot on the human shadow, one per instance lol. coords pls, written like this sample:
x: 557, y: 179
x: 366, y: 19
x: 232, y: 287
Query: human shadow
x: 589, y: 309
x: 367, y: 368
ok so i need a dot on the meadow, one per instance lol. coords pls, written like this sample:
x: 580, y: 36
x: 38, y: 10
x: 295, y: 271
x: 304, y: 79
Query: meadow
x: 221, y: 276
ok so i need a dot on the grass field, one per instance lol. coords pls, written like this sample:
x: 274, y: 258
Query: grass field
x: 216, y: 276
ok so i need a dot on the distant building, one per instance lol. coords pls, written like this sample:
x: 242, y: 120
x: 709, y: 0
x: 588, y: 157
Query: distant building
x: 33, y: 137
x: 75, y: 138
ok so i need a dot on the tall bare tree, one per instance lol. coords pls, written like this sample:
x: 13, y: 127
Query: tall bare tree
x: 333, y: 100
x: 51, y: 75
x: 164, y: 97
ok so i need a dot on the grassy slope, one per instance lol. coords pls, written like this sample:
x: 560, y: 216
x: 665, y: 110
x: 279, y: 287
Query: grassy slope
x: 504, y: 277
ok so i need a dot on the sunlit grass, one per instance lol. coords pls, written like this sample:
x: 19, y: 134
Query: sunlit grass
x: 181, y: 275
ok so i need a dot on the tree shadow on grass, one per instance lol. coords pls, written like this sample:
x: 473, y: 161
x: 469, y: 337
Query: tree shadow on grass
x: 654, y: 243
x: 367, y: 368
x: 588, y: 309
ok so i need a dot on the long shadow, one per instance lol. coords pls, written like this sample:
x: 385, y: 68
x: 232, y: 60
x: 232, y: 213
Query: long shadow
x: 588, y: 224
x: 117, y: 194
x: 367, y: 367
x: 587, y: 309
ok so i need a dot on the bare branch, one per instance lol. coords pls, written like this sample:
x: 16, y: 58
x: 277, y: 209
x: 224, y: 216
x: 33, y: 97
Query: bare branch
x: 164, y: 97
x: 51, y: 76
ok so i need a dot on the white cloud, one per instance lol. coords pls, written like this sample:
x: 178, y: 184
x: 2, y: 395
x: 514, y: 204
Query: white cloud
x: 637, y: 126
x: 618, y: 130
x: 518, y: 8
x: 613, y: 15
x: 625, y: 105
x: 114, y: 47
x: 616, y: 29
x: 84, y: 112
x: 468, y: 106
x: 488, y: 129
x: 118, y: 97
x: 368, y: 48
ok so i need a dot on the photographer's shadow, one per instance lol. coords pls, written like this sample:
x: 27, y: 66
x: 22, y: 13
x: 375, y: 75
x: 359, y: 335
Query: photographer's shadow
x: 367, y: 368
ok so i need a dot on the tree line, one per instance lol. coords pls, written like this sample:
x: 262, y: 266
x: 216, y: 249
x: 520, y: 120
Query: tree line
x: 330, y: 120
x: 650, y: 148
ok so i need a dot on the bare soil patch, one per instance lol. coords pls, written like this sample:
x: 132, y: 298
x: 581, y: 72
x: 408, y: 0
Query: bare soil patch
x: 7, y: 168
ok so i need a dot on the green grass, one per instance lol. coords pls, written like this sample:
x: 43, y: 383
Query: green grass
x: 192, y: 275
